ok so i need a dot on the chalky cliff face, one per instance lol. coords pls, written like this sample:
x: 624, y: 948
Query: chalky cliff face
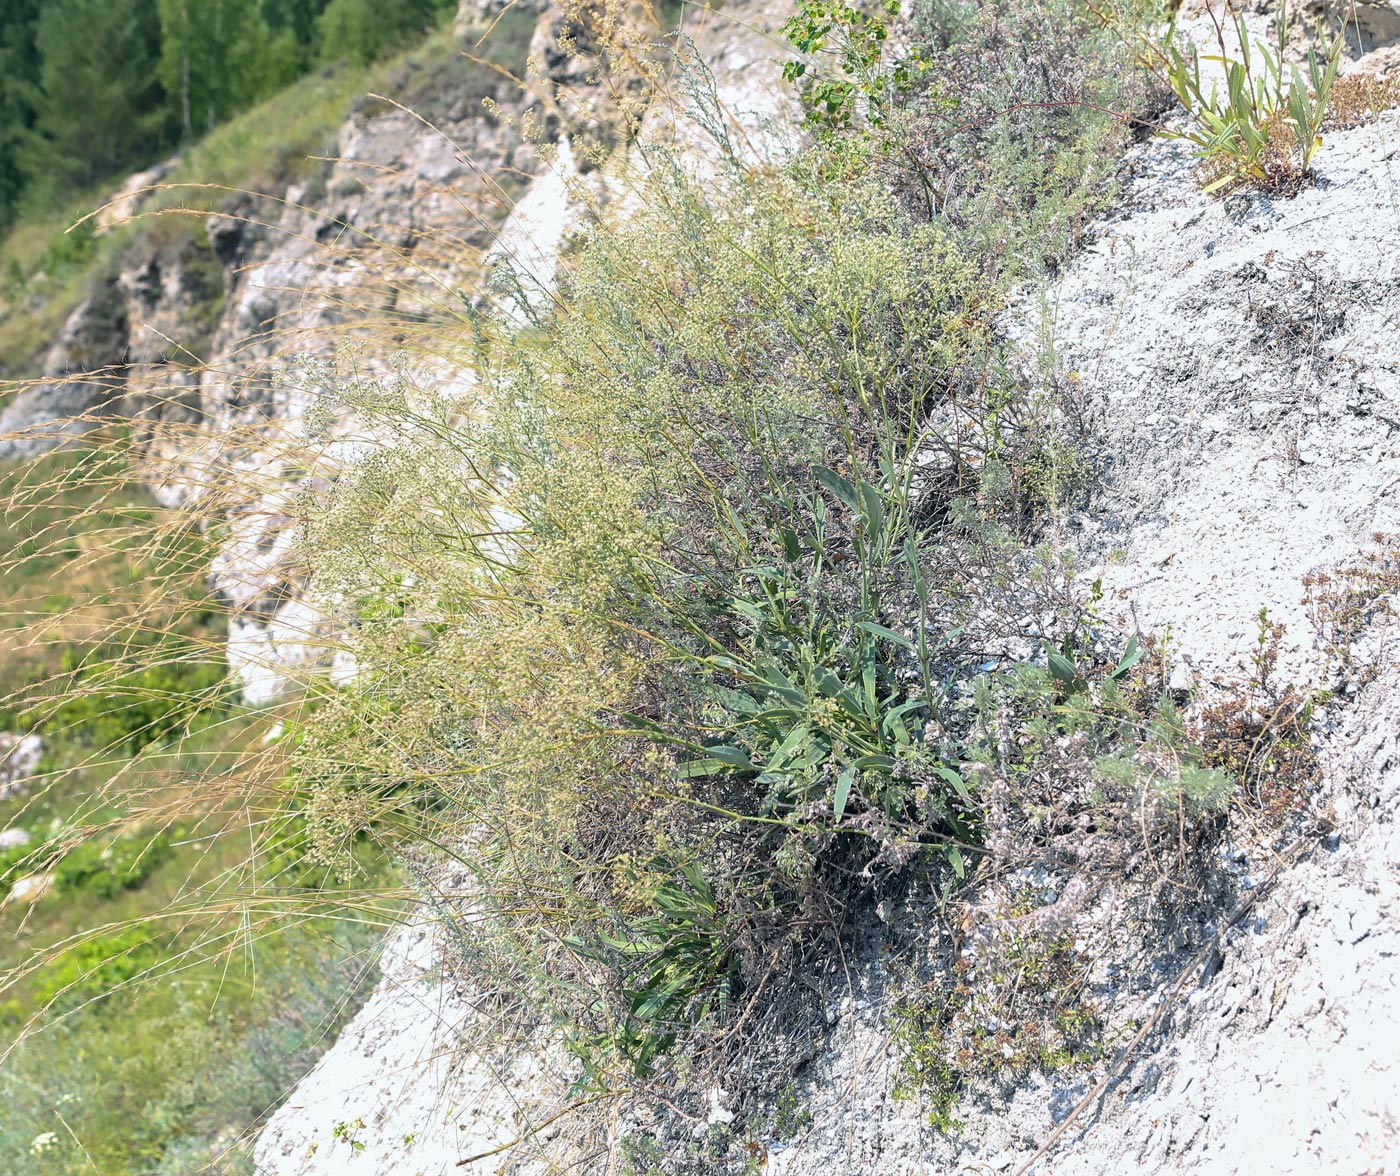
x: 1240, y: 361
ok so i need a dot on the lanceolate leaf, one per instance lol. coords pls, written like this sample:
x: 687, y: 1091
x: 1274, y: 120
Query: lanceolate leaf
x: 787, y: 749
x: 1061, y: 668
x: 733, y: 756
x: 959, y: 866
x: 843, y: 791
x: 1131, y: 656
x: 888, y: 634
x: 872, y: 512
x: 948, y: 775
x: 718, y: 760
x: 840, y: 488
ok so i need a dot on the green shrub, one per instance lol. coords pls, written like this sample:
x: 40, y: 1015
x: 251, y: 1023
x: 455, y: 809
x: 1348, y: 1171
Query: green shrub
x: 678, y: 704
x: 1127, y: 748
x: 115, y: 708
x: 103, y: 871
x: 1022, y: 1006
x: 99, y: 967
x: 817, y: 701
x: 670, y: 643
x: 673, y: 955
x: 676, y: 633
x: 1012, y: 129
x: 67, y: 252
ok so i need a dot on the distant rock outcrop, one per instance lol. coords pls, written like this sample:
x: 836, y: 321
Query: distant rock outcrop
x: 19, y: 760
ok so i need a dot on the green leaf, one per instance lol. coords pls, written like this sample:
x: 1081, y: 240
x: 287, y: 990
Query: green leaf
x: 869, y: 703
x: 831, y: 686
x: 840, y: 488
x: 733, y: 756
x: 582, y: 947
x: 843, y: 791
x: 625, y: 947
x: 812, y: 752
x: 747, y: 608
x: 699, y: 767
x: 1218, y: 184
x: 775, y: 715
x: 888, y: 634
x: 1131, y: 656
x: 779, y: 759
x: 719, y: 759
x: 1061, y: 668
x: 738, y: 701
x: 949, y: 776
x: 959, y: 866
x: 699, y: 883
x: 774, y: 678
x: 764, y: 572
x: 904, y: 708
x: 872, y: 511
x: 642, y: 723
x: 736, y: 526
x: 911, y: 558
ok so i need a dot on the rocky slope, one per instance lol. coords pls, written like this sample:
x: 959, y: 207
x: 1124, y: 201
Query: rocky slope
x: 218, y: 343
x: 1239, y: 358
x: 1244, y: 366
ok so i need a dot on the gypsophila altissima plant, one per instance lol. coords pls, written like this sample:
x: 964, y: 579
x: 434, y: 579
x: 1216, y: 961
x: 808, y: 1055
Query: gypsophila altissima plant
x: 638, y: 629
x: 670, y: 637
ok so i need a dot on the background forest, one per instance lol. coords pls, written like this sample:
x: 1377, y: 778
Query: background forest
x: 90, y: 88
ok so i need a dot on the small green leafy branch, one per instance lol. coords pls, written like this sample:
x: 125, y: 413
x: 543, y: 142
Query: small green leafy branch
x: 864, y: 83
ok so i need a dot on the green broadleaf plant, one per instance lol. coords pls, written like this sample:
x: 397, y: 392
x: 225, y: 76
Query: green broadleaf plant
x: 1236, y: 132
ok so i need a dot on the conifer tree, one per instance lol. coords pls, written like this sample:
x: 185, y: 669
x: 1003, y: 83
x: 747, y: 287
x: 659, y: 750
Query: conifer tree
x: 19, y: 77
x: 92, y: 88
x: 99, y: 104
